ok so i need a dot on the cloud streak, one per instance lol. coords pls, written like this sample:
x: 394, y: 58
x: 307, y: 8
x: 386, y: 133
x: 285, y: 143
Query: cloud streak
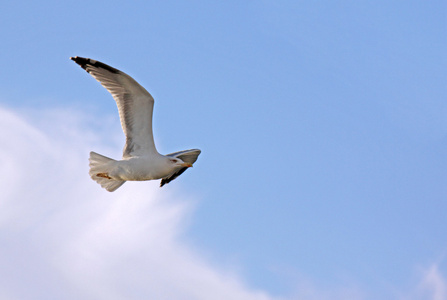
x: 64, y: 237
x: 432, y: 284
x: 435, y: 283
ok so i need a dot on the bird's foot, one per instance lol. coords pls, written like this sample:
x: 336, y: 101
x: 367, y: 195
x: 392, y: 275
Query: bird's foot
x: 104, y: 175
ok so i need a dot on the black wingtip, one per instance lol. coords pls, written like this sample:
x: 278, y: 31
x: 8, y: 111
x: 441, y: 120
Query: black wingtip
x: 75, y: 58
x: 83, y: 62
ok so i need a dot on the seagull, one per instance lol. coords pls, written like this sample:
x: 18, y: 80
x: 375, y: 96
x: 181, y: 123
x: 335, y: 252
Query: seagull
x: 141, y: 160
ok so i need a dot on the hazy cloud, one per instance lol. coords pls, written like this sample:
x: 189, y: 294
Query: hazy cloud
x: 432, y: 285
x: 435, y: 283
x: 63, y: 237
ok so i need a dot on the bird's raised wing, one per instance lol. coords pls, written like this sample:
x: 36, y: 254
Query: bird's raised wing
x: 135, y: 105
x: 188, y: 156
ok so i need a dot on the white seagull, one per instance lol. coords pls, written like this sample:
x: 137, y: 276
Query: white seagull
x: 141, y: 160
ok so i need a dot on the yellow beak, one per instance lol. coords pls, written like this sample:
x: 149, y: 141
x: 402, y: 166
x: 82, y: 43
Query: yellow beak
x: 188, y: 165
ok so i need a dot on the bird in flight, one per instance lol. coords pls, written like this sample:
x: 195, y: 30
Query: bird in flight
x: 141, y: 160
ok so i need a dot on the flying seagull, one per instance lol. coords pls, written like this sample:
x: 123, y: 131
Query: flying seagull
x: 141, y: 160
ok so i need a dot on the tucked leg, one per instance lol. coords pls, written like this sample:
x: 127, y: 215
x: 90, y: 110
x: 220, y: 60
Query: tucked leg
x: 104, y: 175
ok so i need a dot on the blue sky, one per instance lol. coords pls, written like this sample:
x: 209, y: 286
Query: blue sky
x: 322, y: 124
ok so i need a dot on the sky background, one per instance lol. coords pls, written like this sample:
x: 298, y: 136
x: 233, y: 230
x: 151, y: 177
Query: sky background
x: 323, y: 130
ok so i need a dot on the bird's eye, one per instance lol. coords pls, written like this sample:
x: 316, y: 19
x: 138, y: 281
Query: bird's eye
x: 173, y: 161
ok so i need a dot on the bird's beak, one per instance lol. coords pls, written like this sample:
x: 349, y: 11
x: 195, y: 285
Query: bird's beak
x: 188, y: 165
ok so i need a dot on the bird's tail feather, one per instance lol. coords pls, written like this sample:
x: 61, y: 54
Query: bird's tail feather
x: 102, y: 165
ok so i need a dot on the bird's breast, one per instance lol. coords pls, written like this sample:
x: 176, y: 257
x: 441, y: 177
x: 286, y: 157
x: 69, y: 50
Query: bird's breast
x: 142, y: 168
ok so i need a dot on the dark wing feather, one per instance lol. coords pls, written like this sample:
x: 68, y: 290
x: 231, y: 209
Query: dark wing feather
x: 172, y: 177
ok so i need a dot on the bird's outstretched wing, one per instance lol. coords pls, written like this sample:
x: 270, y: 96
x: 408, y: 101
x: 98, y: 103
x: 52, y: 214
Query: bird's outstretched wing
x: 188, y: 156
x: 135, y: 105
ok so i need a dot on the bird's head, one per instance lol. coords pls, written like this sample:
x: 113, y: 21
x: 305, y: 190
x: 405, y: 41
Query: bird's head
x: 177, y: 162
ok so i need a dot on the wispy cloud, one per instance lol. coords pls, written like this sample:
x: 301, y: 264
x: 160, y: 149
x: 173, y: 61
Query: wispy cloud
x: 435, y: 283
x: 63, y: 237
x: 429, y: 284
x: 432, y: 284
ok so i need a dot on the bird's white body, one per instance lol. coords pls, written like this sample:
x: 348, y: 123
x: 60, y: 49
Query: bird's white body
x: 141, y: 168
x: 141, y: 160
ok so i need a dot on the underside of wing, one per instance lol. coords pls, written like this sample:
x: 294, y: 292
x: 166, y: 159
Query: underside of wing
x: 188, y: 156
x: 135, y: 105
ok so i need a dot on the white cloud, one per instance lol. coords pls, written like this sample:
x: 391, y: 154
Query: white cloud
x: 432, y: 284
x: 63, y: 237
x: 435, y: 283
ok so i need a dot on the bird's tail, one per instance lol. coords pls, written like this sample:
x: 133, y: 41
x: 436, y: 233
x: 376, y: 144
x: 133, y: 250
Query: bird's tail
x: 100, y: 166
